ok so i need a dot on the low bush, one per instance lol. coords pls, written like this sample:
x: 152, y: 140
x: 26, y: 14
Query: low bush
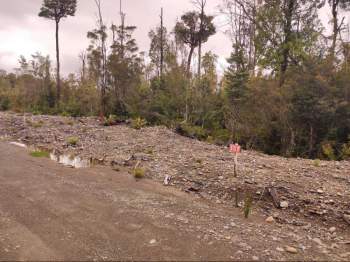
x: 138, y: 123
x: 72, y: 141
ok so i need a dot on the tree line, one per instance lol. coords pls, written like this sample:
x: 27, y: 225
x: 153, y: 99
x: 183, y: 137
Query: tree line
x: 286, y: 89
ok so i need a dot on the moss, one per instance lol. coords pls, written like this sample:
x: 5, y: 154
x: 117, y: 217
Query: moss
x: 40, y: 154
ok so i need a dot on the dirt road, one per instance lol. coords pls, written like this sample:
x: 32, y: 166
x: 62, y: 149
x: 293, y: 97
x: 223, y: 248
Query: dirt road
x: 51, y: 212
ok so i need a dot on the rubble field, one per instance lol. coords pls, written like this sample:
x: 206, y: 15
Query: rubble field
x: 308, y: 200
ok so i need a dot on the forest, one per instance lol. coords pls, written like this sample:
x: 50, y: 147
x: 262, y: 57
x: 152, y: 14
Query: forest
x: 285, y: 91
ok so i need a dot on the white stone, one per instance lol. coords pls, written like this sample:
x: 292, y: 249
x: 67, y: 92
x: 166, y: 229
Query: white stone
x: 270, y: 219
x: 284, y: 204
x: 332, y: 229
x: 153, y: 241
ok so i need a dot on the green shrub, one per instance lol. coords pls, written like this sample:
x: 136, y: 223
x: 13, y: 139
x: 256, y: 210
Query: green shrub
x: 191, y: 131
x: 138, y: 123
x: 40, y: 154
x: 111, y: 120
x: 139, y: 173
x: 345, y: 151
x: 4, y: 103
x: 328, y: 151
x: 72, y: 141
x: 317, y: 163
x: 221, y: 136
x: 65, y: 114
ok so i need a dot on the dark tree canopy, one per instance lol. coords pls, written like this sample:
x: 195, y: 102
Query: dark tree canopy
x: 58, y: 9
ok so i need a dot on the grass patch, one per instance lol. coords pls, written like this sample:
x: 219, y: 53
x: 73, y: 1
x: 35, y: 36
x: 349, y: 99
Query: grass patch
x: 35, y: 124
x: 69, y: 123
x: 149, y: 151
x: 72, y: 141
x: 317, y: 163
x: 40, y: 154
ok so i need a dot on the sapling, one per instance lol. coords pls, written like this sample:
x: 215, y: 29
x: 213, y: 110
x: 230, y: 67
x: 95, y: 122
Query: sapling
x: 248, y: 202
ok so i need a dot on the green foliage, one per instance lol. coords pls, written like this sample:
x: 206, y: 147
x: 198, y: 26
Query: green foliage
x: 40, y: 154
x: 307, y: 114
x: 328, y: 151
x: 4, y: 103
x: 317, y: 163
x: 111, y: 120
x: 58, y: 9
x: 345, y: 153
x: 34, y: 124
x: 138, y: 123
x: 191, y: 131
x: 72, y: 141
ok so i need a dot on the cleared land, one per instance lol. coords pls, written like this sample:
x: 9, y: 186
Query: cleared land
x: 53, y: 212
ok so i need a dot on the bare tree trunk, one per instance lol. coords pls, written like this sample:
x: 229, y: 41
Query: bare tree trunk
x: 288, y: 12
x: 189, y: 62
x: 103, y: 81
x: 335, y: 27
x: 199, y: 58
x: 311, y: 140
x: 202, y: 6
x: 58, y: 86
x: 161, y: 45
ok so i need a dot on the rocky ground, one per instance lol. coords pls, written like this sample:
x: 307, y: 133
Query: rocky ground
x: 315, y: 195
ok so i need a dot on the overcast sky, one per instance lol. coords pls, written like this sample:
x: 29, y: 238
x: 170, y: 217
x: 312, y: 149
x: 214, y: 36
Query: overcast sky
x: 22, y: 32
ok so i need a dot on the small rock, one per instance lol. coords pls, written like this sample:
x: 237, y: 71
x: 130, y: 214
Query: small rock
x: 167, y: 180
x: 332, y: 229
x: 345, y: 255
x: 319, y: 191
x: 291, y: 250
x: 284, y: 204
x: 280, y: 249
x: 347, y: 218
x: 153, y: 241
x: 233, y: 224
x: 317, y: 241
x: 334, y: 246
x: 255, y: 258
x: 270, y: 220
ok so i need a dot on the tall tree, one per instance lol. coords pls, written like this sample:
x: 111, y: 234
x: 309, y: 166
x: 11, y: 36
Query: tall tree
x: 192, y: 29
x: 201, y: 6
x: 56, y: 10
x: 337, y: 27
x: 159, y: 48
x: 97, y: 56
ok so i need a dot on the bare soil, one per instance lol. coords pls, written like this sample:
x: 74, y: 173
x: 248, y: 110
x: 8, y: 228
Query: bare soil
x: 48, y: 211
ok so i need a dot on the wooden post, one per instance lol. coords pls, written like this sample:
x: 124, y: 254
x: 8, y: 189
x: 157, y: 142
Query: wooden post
x: 236, y: 164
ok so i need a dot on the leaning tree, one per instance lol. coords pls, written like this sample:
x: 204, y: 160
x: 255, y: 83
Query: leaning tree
x: 56, y: 10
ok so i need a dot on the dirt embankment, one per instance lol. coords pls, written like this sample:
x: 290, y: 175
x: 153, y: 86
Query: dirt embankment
x: 317, y: 193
